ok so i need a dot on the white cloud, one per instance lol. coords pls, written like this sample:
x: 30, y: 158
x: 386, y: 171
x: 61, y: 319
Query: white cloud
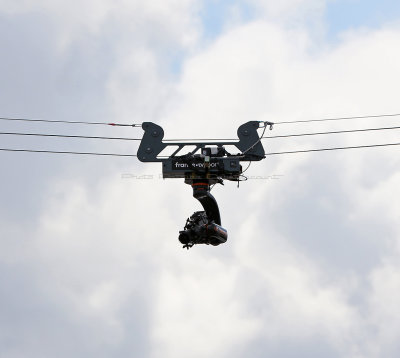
x: 290, y: 12
x: 74, y: 20
x: 383, y: 313
x: 103, y: 263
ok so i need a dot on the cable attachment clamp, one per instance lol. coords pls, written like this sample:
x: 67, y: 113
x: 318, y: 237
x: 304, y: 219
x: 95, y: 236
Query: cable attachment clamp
x: 266, y: 124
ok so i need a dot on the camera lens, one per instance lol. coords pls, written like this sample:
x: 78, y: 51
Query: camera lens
x: 184, y: 238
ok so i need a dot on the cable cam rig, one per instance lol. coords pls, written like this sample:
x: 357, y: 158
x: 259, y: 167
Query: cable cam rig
x: 207, y: 164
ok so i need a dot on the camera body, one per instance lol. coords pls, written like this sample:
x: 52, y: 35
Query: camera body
x: 200, y: 230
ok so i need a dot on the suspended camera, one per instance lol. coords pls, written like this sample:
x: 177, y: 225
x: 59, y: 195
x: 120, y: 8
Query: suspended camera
x: 208, y: 164
x: 199, y: 230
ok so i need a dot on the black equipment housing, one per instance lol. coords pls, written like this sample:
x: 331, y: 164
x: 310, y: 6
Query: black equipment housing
x: 207, y: 164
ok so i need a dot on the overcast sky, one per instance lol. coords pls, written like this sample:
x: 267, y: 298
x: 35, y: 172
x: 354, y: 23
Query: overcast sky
x: 90, y: 264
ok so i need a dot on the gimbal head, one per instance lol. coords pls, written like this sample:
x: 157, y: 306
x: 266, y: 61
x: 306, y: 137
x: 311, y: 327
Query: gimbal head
x: 207, y: 164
